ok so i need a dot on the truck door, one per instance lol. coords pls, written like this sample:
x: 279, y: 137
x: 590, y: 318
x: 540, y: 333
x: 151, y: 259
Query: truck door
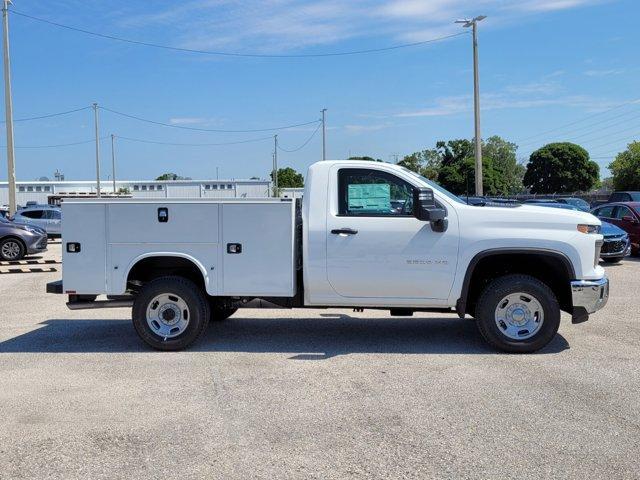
x: 376, y: 248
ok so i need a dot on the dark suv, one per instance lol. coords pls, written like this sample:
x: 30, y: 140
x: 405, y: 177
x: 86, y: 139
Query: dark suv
x: 16, y: 241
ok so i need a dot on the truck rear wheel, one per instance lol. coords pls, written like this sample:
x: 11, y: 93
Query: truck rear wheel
x: 518, y: 314
x: 170, y: 313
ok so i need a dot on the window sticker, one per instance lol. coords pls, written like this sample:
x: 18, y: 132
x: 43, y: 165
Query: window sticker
x: 370, y: 197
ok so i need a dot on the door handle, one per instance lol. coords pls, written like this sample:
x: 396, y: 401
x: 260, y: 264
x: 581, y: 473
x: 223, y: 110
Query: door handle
x: 346, y: 231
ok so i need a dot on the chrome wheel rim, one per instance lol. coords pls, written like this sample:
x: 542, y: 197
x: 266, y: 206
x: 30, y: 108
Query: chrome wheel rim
x: 519, y: 316
x: 168, y: 315
x: 10, y: 250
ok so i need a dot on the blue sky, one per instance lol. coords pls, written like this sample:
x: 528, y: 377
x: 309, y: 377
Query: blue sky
x: 543, y: 63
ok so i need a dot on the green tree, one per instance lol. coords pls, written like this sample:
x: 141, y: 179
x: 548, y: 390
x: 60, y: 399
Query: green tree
x: 626, y: 168
x: 426, y: 163
x: 561, y: 168
x: 457, y: 168
x: 289, y: 178
x: 171, y: 176
x: 503, y: 156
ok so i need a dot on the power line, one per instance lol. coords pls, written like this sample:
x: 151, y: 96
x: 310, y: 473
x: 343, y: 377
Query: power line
x: 48, y: 115
x: 637, y: 100
x: 634, y: 128
x: 59, y: 145
x: 217, y: 130
x: 251, y: 140
x: 627, y: 138
x: 237, y: 54
x: 598, y: 127
x: 304, y: 144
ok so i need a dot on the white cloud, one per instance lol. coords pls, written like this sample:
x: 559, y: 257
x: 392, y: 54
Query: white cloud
x: 605, y: 73
x: 187, y: 121
x: 462, y: 104
x: 366, y: 128
x: 550, y: 5
x: 284, y: 25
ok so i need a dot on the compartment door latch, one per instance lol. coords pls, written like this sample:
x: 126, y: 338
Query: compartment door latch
x: 234, y: 248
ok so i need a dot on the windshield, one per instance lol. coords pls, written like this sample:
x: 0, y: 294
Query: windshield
x: 3, y: 220
x: 435, y: 186
x: 578, y: 202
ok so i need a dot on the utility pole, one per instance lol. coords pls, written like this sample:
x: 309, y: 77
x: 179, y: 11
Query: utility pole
x: 8, y: 101
x: 95, y: 116
x: 473, y: 23
x: 324, y: 134
x: 113, y: 162
x: 275, y: 165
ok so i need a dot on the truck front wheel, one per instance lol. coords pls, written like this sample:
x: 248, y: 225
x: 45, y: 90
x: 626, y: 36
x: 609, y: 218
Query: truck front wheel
x: 518, y: 314
x: 170, y: 313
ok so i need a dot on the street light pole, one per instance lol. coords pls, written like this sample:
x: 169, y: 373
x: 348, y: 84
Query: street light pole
x: 473, y: 23
x: 95, y: 116
x: 275, y: 165
x: 113, y: 162
x: 324, y: 134
x: 11, y: 166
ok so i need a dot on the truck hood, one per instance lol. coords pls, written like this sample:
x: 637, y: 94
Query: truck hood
x: 531, y: 215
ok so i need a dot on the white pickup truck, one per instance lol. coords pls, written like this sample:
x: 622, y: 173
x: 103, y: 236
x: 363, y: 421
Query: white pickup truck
x: 365, y: 235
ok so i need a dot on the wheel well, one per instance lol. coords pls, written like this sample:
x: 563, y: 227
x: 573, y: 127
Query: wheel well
x: 150, y: 268
x: 17, y: 239
x: 552, y: 269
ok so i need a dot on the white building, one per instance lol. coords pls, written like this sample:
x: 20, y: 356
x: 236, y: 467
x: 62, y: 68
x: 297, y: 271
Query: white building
x: 40, y: 191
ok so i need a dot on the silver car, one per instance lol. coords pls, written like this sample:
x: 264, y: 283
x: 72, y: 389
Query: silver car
x: 47, y: 218
x: 16, y: 241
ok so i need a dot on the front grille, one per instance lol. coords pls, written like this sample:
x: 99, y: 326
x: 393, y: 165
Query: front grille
x: 42, y: 243
x: 615, y: 246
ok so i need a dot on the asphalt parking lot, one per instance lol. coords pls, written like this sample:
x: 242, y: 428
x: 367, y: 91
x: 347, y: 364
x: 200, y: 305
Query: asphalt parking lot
x: 314, y: 394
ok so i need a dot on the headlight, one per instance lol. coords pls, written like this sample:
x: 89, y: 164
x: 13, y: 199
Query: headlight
x: 583, y: 228
x: 30, y: 229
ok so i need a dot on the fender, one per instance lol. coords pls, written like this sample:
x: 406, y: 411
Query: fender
x: 192, y: 259
x: 461, y: 303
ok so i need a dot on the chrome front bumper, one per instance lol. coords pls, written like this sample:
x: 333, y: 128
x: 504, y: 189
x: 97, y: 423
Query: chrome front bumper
x: 588, y: 296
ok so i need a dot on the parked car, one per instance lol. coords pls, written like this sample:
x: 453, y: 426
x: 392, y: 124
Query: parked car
x: 539, y: 201
x: 552, y: 204
x: 477, y: 201
x: 16, y: 240
x: 624, y: 197
x: 47, y: 218
x: 625, y: 215
x: 616, y: 244
x: 504, y: 201
x: 576, y: 202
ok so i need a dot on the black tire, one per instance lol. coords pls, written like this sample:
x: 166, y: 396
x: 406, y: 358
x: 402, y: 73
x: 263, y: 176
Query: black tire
x: 218, y: 313
x: 8, y: 245
x: 195, y: 300
x: 495, y: 292
x: 612, y: 260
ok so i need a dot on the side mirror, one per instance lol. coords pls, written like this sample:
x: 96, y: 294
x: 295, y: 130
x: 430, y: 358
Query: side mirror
x: 426, y: 210
x: 629, y: 219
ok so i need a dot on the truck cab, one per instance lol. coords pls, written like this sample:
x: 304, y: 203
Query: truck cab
x: 365, y: 235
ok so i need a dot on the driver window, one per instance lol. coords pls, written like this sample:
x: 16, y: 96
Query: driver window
x: 622, y: 212
x: 370, y: 193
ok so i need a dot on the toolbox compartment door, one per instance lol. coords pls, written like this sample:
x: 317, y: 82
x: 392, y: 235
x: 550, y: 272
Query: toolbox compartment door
x: 83, y: 248
x: 258, y: 249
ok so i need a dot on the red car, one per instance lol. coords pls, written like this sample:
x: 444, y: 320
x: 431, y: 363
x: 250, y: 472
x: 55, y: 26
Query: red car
x: 625, y: 215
